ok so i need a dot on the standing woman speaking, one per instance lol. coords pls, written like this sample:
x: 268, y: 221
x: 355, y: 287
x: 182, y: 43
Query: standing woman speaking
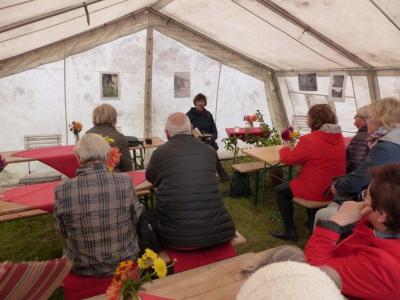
x: 203, y: 120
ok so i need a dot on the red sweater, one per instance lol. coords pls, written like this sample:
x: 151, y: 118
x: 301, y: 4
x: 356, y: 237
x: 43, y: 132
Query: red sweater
x: 368, y: 265
x: 322, y: 156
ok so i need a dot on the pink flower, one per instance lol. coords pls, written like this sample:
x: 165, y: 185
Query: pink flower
x: 286, y: 134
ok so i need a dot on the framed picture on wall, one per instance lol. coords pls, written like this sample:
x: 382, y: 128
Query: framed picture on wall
x: 181, y: 84
x: 308, y: 82
x: 337, y: 87
x: 110, y: 86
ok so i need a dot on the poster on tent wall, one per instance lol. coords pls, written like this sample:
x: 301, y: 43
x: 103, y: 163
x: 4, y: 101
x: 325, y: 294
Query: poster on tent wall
x: 181, y: 84
x: 308, y: 82
x: 337, y: 87
x: 110, y: 89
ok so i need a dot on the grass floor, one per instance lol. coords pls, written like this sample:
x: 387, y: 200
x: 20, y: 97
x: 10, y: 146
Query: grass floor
x: 35, y: 238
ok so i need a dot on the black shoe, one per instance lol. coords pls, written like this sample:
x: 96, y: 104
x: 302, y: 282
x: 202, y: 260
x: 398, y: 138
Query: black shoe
x: 286, y: 235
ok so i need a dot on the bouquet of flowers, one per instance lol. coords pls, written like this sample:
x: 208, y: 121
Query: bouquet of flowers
x: 129, y: 278
x: 75, y: 127
x: 250, y: 118
x: 290, y: 135
x: 113, y: 158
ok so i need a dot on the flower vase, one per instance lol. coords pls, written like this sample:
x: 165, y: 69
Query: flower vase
x: 76, y: 138
x: 248, y: 125
x: 133, y: 296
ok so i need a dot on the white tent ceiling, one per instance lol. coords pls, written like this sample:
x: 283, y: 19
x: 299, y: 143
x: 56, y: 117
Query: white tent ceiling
x: 283, y: 35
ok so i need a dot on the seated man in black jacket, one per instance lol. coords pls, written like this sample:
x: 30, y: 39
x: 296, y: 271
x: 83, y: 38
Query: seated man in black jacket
x: 190, y: 211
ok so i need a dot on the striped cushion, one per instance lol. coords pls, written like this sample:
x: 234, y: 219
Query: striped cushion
x: 32, y: 280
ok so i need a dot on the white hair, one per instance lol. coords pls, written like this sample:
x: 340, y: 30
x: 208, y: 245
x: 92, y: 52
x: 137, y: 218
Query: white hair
x: 363, y: 111
x: 178, y: 123
x: 92, y: 147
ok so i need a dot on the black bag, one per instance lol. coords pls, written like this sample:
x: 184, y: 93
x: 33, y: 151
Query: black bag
x: 239, y: 185
x: 133, y: 141
x: 147, y: 236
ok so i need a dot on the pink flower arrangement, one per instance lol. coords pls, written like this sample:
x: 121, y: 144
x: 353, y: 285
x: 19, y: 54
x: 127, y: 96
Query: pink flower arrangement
x: 113, y: 158
x: 290, y: 135
x: 250, y: 118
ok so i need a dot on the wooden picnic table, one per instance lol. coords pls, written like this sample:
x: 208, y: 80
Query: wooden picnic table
x: 220, y: 280
x: 139, y: 151
x: 8, y: 156
x: 11, y: 159
x: 12, y: 211
x: 269, y: 155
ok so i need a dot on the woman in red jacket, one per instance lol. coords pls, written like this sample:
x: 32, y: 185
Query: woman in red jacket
x: 321, y: 155
x: 368, y: 261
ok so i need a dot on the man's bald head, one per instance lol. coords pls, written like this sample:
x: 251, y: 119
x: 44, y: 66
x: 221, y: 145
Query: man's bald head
x: 177, y: 123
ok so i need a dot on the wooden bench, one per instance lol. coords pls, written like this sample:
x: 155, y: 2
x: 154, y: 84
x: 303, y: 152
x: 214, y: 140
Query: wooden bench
x: 239, y: 239
x: 40, y: 141
x: 312, y: 207
x: 144, y: 191
x: 311, y: 204
x: 248, y: 168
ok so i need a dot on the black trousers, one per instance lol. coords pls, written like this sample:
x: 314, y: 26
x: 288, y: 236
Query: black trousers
x: 284, y: 197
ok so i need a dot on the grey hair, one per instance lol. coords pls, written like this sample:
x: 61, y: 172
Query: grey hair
x: 92, y: 147
x: 363, y: 111
x: 178, y: 123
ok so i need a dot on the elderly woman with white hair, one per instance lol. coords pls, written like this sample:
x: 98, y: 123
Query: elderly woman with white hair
x: 104, y: 119
x: 97, y: 212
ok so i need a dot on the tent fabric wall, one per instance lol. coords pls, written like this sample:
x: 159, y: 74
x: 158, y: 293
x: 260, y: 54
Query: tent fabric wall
x: 280, y: 38
x: 69, y: 89
x: 298, y: 102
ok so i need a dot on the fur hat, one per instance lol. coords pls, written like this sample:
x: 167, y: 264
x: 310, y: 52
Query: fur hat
x: 289, y: 280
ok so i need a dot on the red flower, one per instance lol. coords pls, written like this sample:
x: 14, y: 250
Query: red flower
x: 286, y: 134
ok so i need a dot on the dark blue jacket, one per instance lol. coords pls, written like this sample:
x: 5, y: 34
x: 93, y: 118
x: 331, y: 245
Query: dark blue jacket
x: 357, y: 150
x: 385, y: 151
x: 204, y: 121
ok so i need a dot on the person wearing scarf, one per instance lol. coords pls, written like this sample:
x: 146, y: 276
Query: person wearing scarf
x: 384, y: 142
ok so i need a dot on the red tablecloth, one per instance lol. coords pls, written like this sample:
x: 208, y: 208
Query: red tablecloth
x: 61, y: 158
x: 41, y: 195
x: 241, y: 134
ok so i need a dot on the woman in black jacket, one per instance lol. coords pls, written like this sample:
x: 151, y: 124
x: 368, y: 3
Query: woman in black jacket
x: 203, y: 120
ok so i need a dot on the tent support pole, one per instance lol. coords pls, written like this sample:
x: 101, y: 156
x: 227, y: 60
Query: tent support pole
x: 275, y: 102
x: 373, y: 86
x: 148, y: 83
